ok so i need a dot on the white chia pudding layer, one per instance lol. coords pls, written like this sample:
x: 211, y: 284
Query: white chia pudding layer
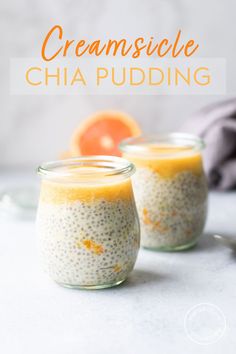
x: 88, y: 243
x: 172, y: 211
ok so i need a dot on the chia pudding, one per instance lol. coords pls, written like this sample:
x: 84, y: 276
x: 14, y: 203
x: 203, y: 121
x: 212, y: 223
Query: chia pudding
x: 170, y: 189
x: 87, y: 222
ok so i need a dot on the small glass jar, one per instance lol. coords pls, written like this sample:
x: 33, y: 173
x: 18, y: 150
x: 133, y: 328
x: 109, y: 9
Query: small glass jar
x: 87, y: 221
x: 170, y: 189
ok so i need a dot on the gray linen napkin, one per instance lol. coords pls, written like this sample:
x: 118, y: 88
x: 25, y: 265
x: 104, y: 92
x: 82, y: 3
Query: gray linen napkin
x: 216, y: 124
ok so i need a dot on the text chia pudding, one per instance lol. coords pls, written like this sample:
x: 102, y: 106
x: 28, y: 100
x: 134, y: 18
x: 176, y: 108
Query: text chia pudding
x: 170, y: 189
x: 87, y: 221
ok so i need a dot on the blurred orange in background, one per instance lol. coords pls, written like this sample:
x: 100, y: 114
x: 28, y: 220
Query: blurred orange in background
x: 101, y: 133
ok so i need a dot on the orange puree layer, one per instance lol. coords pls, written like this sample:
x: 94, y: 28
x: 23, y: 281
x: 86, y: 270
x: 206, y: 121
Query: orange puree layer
x: 59, y: 192
x: 167, y: 161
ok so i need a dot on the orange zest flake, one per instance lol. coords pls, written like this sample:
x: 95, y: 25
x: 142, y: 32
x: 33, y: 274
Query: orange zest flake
x: 78, y: 244
x: 117, y: 268
x: 146, y: 218
x: 93, y: 246
x: 157, y: 225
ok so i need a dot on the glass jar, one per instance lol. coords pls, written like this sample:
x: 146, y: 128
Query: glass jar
x: 170, y: 189
x: 87, y: 221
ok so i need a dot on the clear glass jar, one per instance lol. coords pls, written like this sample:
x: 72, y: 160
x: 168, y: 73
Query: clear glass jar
x: 170, y: 189
x: 87, y: 221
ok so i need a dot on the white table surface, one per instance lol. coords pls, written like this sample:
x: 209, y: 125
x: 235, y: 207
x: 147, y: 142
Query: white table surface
x: 146, y: 314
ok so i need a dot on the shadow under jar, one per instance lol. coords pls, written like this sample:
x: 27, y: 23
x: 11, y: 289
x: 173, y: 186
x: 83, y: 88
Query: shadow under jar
x: 170, y: 189
x: 87, y: 221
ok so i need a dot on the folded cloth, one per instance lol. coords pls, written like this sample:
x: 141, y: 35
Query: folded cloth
x: 216, y: 124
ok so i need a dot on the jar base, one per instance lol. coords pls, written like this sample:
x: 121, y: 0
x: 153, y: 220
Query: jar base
x: 172, y: 248
x: 91, y: 287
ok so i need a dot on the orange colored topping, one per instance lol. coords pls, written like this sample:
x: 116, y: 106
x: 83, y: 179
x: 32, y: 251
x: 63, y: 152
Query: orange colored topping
x: 168, y: 160
x: 58, y: 192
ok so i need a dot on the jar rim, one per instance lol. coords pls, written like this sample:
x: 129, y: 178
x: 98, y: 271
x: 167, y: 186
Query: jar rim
x: 96, y: 167
x: 142, y: 143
